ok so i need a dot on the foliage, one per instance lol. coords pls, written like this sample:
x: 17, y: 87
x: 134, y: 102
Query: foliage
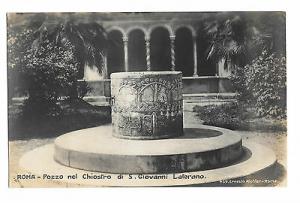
x: 39, y: 108
x: 238, y: 78
x: 18, y: 41
x: 73, y: 115
x: 227, y: 38
x: 239, y: 37
x: 237, y: 116
x: 51, y: 71
x: 262, y: 84
x: 83, y: 88
x: 226, y: 115
x: 46, y: 58
x: 88, y: 40
x: 267, y: 81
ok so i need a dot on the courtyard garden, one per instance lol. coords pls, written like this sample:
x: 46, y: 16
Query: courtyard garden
x: 46, y: 60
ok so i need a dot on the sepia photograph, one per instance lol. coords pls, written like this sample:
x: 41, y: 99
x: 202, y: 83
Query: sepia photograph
x: 147, y: 99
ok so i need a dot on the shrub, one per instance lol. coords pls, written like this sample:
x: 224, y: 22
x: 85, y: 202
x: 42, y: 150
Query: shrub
x: 226, y: 115
x: 51, y: 71
x: 263, y: 85
x: 238, y: 79
x: 18, y: 41
x: 83, y: 88
x: 38, y: 108
x: 267, y: 80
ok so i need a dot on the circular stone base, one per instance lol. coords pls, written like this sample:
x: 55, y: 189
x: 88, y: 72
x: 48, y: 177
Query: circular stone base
x: 41, y: 163
x: 95, y: 149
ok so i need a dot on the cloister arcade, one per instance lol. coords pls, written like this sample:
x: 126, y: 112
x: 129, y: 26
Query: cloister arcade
x: 158, y: 42
x: 156, y: 48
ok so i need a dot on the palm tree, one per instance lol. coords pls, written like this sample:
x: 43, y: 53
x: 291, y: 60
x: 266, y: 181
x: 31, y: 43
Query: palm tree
x: 88, y: 39
x: 236, y: 38
x: 84, y: 44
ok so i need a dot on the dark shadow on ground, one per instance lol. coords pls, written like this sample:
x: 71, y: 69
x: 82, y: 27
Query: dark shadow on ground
x: 199, y: 133
x: 75, y: 115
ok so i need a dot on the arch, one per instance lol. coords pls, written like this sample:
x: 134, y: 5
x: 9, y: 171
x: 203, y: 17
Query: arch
x: 154, y: 91
x: 184, y: 60
x: 115, y: 52
x: 191, y: 28
x: 151, y: 84
x: 136, y: 50
x: 160, y: 49
x: 167, y: 27
x: 134, y: 28
x: 117, y: 28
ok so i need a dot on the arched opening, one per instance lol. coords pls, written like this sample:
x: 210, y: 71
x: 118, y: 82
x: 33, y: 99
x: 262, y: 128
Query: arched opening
x: 206, y: 67
x: 115, y: 52
x: 160, y: 53
x: 136, y: 51
x: 184, y: 52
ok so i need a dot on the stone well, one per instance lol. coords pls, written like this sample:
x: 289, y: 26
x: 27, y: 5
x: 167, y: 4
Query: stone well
x: 147, y: 105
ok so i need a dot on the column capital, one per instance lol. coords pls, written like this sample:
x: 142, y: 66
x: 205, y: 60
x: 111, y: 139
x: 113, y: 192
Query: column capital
x: 125, y: 39
x: 172, y: 37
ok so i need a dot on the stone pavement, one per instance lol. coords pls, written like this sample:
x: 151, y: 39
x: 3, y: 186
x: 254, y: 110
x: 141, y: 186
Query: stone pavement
x: 190, y: 117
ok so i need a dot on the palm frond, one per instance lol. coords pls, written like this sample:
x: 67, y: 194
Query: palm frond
x: 88, y: 39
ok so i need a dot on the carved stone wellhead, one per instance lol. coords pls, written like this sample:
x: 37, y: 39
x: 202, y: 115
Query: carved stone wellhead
x: 147, y: 105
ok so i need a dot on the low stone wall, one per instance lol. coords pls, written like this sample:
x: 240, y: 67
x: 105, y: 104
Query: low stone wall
x: 191, y: 85
x: 206, y: 84
x: 97, y: 87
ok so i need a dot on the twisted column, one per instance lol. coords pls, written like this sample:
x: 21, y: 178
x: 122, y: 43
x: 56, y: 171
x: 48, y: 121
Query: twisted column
x: 172, y: 39
x: 195, y: 57
x: 147, y: 41
x: 125, y: 42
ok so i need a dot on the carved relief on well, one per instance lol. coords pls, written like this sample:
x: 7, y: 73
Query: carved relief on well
x: 147, y: 106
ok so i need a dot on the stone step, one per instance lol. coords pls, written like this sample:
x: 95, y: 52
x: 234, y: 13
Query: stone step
x: 209, y: 96
x: 96, y: 99
x: 199, y: 148
x: 256, y: 159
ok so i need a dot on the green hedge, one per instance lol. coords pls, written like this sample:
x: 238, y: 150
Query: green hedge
x: 228, y: 115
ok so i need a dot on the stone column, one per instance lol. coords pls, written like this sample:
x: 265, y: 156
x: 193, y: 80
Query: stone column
x: 195, y: 57
x: 147, y: 41
x: 105, y: 71
x: 172, y: 39
x: 125, y: 42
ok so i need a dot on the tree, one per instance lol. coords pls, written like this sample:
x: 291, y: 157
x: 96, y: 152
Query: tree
x: 51, y: 71
x: 238, y: 38
x: 88, y: 39
x: 52, y: 54
x: 254, y: 43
